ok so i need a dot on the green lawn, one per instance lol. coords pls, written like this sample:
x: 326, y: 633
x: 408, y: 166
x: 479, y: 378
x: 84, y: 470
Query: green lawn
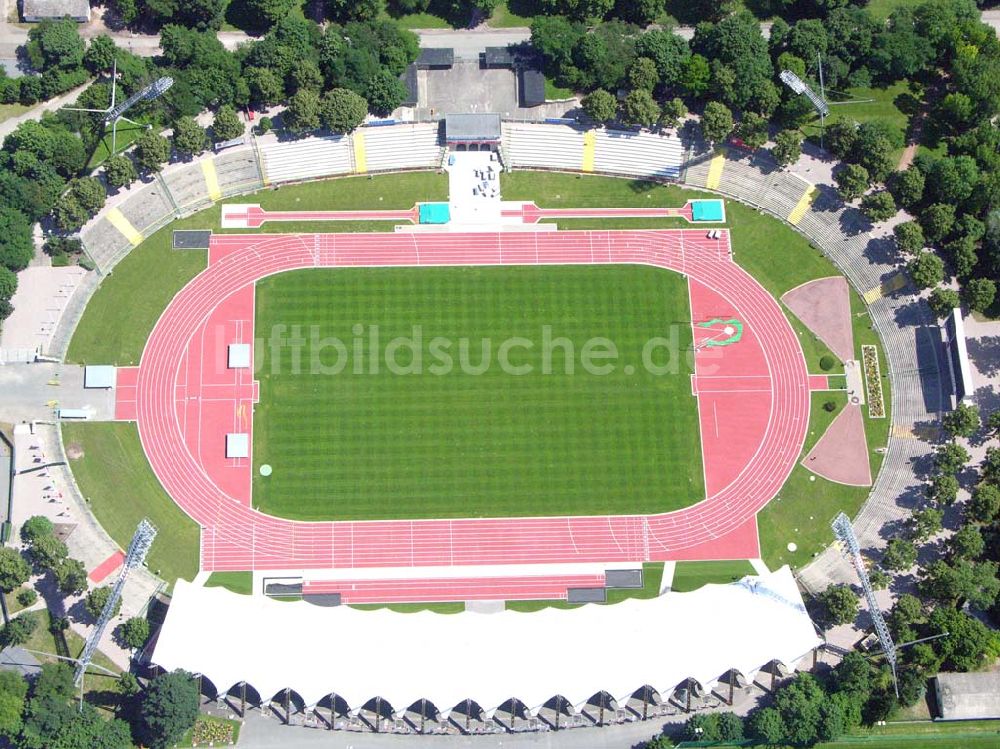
x: 237, y: 582
x: 12, y: 110
x: 117, y: 481
x: 211, y: 732
x: 504, y: 18
x: 461, y: 442
x: 554, y: 92
x: 692, y: 575
x: 881, y: 9
x: 892, y: 105
x: 124, y: 137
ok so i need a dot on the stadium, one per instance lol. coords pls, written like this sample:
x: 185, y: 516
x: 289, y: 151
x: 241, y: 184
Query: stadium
x: 422, y: 495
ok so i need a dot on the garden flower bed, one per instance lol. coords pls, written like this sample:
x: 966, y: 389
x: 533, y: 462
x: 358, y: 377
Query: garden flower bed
x: 873, y: 382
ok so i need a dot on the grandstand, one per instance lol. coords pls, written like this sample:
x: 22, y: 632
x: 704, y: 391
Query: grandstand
x: 309, y: 158
x: 638, y: 154
x: 536, y: 146
x: 188, y: 188
x: 237, y: 172
x: 397, y: 147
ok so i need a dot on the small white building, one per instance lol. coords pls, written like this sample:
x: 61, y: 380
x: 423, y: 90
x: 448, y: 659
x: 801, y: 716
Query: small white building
x: 239, y: 355
x: 35, y: 11
x: 99, y: 377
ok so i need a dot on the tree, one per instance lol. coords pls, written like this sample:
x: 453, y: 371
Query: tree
x: 55, y: 44
x: 943, y: 300
x: 302, y: 114
x: 979, y: 293
x: 787, y: 147
x: 14, y: 570
x: 151, y: 151
x: 969, y: 643
x: 134, y: 632
x: 951, y: 179
x: 943, y: 489
x: 799, y: 703
x: 975, y: 582
x: 990, y: 468
x: 907, y: 611
x: 963, y: 421
x: 984, y: 506
x: 342, y: 111
x: 879, y: 578
x: 752, y: 130
x: 951, y: 458
x: 967, y: 543
x: 19, y: 630
x: 697, y: 76
x: 47, y: 552
x: 874, y: 146
x: 640, y: 109
x: 97, y: 599
x: 100, y: 54
x: 226, y: 125
x: 17, y: 247
x: 702, y: 727
x: 909, y: 237
x: 8, y: 283
x: 168, y: 708
x: 384, y: 92
x: 83, y: 198
x: 730, y: 727
x: 119, y: 171
x: 840, y: 604
x: 852, y: 182
x: 670, y: 54
x: 189, y: 137
x: 600, y: 105
x: 716, y: 122
x: 13, y: 690
x: 767, y: 726
x: 71, y: 577
x: 263, y: 14
x: 35, y: 528
x: 937, y: 221
x: 643, y: 74
x: 265, y: 86
x: 926, y: 270
x: 907, y: 187
x: 900, y: 555
x: 926, y: 523
x: 878, y: 206
x: 963, y: 255
x: 673, y: 112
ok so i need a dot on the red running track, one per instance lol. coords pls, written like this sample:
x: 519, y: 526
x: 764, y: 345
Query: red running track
x: 453, y: 588
x: 530, y: 213
x: 235, y: 537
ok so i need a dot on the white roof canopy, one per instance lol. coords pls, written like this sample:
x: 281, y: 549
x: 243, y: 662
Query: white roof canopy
x: 488, y: 658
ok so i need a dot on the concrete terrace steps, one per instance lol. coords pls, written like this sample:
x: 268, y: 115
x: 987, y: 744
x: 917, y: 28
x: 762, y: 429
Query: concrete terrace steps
x: 422, y: 590
x: 543, y: 146
x: 401, y: 147
x: 640, y: 154
x: 309, y: 158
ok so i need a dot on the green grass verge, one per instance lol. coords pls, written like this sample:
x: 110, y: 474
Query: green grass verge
x: 237, y: 582
x: 115, y: 478
x: 892, y: 105
x: 467, y: 443
x: 421, y: 21
x: 504, y: 18
x: 126, y: 134
x: 882, y: 9
x: 68, y: 644
x: 690, y: 576
x: 652, y: 575
x: 151, y: 274
x: 556, y: 93
x: 12, y: 110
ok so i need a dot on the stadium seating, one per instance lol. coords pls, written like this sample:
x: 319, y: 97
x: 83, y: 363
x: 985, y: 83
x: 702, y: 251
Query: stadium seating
x: 536, y: 146
x: 453, y: 589
x: 308, y: 158
x: 237, y: 171
x: 415, y: 146
x: 188, y: 187
x: 149, y: 208
x: 105, y: 244
x: 638, y: 154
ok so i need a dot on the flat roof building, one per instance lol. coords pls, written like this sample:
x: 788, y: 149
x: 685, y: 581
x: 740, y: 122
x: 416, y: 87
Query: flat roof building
x: 472, y: 128
x: 435, y: 58
x: 99, y: 376
x: 532, y: 88
x: 239, y: 355
x: 238, y: 445
x: 968, y: 696
x: 35, y: 11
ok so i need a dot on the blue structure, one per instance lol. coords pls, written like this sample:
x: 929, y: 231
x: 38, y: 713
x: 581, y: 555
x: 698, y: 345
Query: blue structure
x: 707, y: 210
x: 434, y: 213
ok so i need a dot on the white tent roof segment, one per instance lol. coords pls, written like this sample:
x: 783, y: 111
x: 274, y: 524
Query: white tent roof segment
x: 488, y: 658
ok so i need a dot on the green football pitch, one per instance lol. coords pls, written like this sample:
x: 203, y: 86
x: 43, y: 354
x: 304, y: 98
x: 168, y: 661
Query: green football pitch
x: 429, y: 441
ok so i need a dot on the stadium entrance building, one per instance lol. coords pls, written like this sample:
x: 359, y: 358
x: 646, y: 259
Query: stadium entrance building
x: 472, y: 132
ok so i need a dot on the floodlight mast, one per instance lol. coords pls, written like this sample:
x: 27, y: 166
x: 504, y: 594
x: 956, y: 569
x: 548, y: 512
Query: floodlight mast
x: 845, y: 534
x: 115, y: 113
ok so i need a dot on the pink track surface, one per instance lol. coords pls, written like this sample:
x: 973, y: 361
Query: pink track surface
x: 753, y: 438
x: 126, y: 378
x: 530, y: 213
x: 454, y: 588
x: 819, y: 382
x: 105, y: 568
x: 255, y: 216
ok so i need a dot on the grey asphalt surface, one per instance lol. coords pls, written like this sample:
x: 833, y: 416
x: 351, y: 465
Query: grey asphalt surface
x: 27, y: 389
